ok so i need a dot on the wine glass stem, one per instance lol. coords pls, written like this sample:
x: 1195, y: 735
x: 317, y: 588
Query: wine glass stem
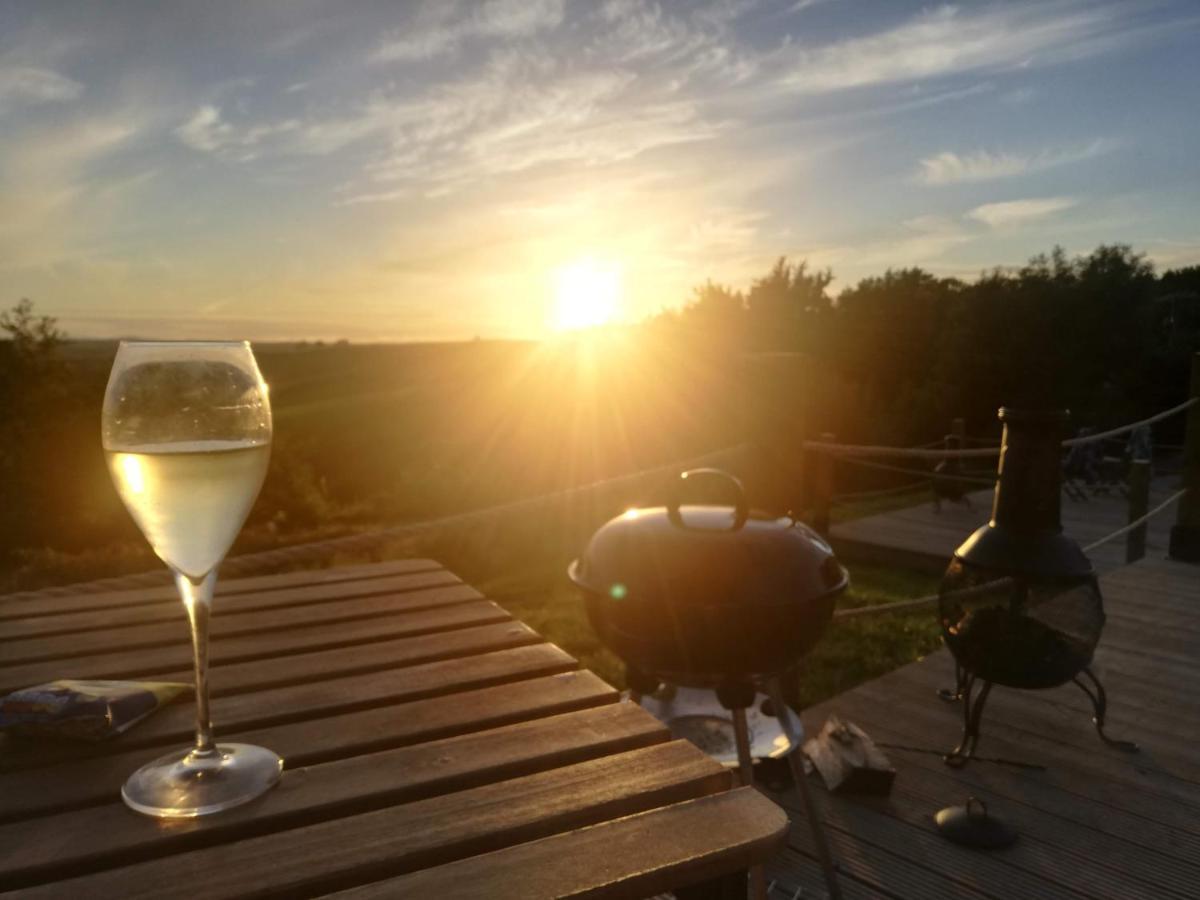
x: 197, y: 600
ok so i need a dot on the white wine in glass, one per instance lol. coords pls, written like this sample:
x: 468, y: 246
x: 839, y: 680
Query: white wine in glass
x: 186, y: 430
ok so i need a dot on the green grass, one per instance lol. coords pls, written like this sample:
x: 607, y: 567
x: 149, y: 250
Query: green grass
x: 864, y: 647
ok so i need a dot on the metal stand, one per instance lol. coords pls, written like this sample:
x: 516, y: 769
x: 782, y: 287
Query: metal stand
x: 741, y: 733
x: 972, y: 713
x: 737, y: 697
x: 960, y: 681
x: 795, y: 761
x: 1100, y: 706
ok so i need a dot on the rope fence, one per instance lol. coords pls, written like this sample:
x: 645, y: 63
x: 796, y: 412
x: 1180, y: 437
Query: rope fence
x: 845, y: 450
x: 930, y: 599
x: 1136, y: 523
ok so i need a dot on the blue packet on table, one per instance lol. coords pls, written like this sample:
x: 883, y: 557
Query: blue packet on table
x: 84, y: 710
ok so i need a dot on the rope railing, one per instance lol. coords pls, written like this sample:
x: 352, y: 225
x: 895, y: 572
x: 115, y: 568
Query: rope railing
x: 930, y: 599
x: 846, y: 450
x: 924, y: 474
x: 1125, y: 429
x: 1136, y: 523
x: 252, y: 563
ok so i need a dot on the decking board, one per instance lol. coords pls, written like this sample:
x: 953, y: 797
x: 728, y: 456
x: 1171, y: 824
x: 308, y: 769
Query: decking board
x: 1096, y: 823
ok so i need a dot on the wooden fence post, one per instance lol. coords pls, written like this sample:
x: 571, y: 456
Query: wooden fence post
x: 1185, y: 536
x: 822, y: 483
x: 1139, y: 505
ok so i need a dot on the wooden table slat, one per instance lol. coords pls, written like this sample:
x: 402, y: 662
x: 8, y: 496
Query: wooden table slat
x: 153, y: 662
x: 368, y: 847
x: 17, y: 607
x: 699, y: 839
x: 142, y: 621
x: 295, y: 703
x: 84, y: 782
x: 58, y: 846
x: 156, y: 634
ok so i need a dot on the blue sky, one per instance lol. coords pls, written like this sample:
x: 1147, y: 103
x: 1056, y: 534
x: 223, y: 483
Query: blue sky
x: 390, y: 171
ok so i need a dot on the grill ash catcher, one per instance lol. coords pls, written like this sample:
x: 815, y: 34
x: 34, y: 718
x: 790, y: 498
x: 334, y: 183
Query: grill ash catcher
x: 714, y: 597
x: 1020, y: 604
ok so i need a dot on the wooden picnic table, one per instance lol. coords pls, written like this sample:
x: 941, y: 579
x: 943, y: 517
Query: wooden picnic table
x: 434, y: 747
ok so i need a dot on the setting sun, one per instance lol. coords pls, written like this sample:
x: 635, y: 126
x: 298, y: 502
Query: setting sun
x: 586, y: 294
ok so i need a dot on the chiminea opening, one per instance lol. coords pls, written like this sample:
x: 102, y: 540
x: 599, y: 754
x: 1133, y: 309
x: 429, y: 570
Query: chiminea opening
x: 1020, y: 605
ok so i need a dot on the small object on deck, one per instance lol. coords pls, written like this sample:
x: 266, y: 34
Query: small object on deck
x: 84, y: 710
x: 849, y: 761
x: 973, y: 826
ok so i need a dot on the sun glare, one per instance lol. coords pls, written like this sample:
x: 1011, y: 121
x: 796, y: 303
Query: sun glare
x: 586, y: 294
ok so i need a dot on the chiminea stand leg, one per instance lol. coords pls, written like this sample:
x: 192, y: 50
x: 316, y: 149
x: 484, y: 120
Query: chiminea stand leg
x: 972, y: 713
x: 1100, y: 705
x: 960, y: 679
x: 796, y: 762
x: 741, y: 733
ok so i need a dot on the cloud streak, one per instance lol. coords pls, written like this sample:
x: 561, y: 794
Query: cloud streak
x: 948, y: 41
x: 1012, y: 213
x: 495, y: 19
x: 32, y: 85
x: 951, y: 168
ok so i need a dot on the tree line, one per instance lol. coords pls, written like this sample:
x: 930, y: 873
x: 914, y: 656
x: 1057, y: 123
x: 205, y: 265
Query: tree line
x: 1099, y: 334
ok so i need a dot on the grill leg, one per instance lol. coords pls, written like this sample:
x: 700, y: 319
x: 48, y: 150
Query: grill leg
x: 741, y: 733
x: 795, y: 761
x: 1100, y: 705
x: 972, y: 714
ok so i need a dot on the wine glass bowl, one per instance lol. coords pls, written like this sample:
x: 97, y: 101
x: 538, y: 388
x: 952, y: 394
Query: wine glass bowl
x: 186, y: 430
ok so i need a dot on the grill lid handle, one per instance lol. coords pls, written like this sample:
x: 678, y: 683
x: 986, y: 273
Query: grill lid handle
x: 741, y: 509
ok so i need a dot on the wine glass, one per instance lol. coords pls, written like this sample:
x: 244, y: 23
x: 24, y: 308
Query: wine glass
x: 186, y: 430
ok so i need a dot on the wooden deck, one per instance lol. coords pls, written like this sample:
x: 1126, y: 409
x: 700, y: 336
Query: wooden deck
x: 1096, y: 823
x: 919, y: 537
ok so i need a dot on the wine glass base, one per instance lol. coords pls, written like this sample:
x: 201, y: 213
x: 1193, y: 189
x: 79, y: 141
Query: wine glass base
x: 185, y: 783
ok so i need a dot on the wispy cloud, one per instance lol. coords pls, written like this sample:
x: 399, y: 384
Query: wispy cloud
x: 206, y: 130
x: 1020, y: 212
x: 494, y: 19
x: 947, y: 41
x: 30, y: 84
x: 801, y: 5
x: 951, y: 168
x: 48, y: 199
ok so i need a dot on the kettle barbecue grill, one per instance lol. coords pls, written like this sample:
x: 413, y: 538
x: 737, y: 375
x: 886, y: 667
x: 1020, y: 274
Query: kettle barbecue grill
x: 713, y: 596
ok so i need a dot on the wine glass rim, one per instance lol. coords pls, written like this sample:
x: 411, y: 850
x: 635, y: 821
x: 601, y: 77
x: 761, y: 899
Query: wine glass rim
x: 139, y: 343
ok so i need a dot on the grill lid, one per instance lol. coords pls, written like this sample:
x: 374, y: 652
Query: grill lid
x: 707, y: 555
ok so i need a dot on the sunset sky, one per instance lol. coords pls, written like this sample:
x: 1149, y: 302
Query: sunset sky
x: 439, y: 170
